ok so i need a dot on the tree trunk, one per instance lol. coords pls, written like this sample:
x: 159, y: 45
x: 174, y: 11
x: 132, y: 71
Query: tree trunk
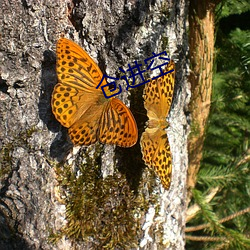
x: 201, y: 40
x: 54, y: 196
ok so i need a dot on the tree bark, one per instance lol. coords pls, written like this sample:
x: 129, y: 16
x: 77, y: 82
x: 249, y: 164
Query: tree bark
x: 41, y: 171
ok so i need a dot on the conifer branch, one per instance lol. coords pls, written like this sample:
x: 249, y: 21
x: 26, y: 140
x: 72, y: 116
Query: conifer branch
x: 194, y: 209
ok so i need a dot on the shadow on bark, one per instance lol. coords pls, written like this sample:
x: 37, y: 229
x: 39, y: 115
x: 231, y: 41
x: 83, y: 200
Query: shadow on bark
x: 130, y: 159
x: 9, y: 239
x: 61, y: 145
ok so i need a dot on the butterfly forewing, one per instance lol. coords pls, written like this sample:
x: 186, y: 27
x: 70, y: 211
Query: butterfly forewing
x: 158, y: 93
x: 75, y: 67
x: 62, y: 104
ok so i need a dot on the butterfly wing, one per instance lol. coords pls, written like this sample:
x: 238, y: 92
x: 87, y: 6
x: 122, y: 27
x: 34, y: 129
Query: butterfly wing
x: 156, y: 154
x: 85, y: 130
x: 69, y: 104
x: 158, y: 94
x: 79, y: 106
x: 76, y: 68
x: 117, y: 125
x: 78, y: 77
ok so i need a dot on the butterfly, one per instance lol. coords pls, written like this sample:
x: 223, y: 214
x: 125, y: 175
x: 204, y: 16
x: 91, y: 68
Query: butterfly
x: 154, y: 143
x: 83, y: 109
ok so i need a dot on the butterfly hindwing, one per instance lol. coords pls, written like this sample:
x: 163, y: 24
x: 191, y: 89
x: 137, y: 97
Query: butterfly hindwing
x: 85, y: 130
x: 156, y: 154
x: 118, y: 125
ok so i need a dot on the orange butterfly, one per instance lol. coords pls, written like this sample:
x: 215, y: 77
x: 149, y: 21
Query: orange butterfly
x: 155, y: 147
x: 79, y: 106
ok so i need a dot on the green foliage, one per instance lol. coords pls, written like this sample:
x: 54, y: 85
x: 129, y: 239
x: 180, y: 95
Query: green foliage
x: 230, y: 7
x: 226, y: 153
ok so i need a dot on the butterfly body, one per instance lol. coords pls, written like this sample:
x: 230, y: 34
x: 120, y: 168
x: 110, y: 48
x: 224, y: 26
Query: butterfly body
x: 83, y: 109
x: 154, y: 143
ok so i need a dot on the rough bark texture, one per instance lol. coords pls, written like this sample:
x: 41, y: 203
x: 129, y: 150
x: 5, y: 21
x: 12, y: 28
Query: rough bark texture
x: 201, y: 40
x: 32, y: 142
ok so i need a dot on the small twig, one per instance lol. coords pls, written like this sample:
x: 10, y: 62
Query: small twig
x: 245, y: 159
x: 230, y: 217
x: 205, y: 238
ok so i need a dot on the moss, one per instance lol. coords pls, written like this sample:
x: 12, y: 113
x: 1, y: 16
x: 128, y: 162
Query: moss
x: 103, y: 212
x: 28, y: 133
x: 165, y: 10
x: 164, y: 43
x: 5, y: 160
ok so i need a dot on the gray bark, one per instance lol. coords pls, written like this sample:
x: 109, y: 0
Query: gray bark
x: 32, y: 142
